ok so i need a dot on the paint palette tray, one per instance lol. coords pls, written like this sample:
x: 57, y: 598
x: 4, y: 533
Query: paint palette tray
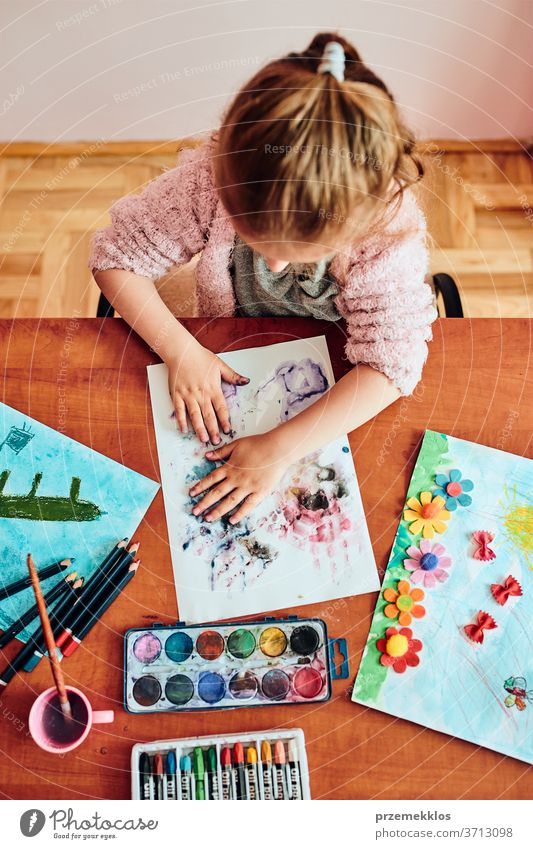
x: 243, y: 664
x: 272, y: 765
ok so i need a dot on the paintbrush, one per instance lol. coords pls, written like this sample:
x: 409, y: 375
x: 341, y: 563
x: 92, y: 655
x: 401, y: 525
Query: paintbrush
x: 50, y: 643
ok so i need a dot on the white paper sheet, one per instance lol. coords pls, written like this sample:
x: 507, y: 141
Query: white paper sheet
x: 307, y: 542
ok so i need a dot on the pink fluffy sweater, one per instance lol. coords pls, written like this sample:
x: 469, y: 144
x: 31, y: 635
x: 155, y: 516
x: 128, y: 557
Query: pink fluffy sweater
x: 387, y: 306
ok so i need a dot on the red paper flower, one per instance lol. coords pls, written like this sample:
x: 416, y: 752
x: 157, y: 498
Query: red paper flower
x: 501, y: 592
x: 399, y: 649
x: 482, y: 539
x: 484, y: 622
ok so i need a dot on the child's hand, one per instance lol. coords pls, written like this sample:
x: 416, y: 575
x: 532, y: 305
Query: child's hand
x: 195, y: 384
x: 252, y: 468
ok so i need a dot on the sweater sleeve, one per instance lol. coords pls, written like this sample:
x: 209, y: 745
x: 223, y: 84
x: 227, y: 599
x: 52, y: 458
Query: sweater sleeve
x: 387, y: 305
x: 165, y: 225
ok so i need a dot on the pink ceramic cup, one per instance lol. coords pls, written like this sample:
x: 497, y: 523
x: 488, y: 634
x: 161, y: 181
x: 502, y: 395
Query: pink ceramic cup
x: 52, y: 732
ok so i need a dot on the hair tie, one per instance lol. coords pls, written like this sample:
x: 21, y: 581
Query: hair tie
x: 333, y: 60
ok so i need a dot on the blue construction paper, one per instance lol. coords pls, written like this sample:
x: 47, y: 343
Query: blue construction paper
x: 460, y: 687
x: 122, y: 496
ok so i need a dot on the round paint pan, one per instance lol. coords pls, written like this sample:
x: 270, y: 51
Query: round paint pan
x: 305, y: 640
x: 147, y: 647
x: 272, y: 641
x: 147, y: 691
x: 211, y: 687
x: 179, y: 689
x: 244, y: 685
x: 210, y: 645
x: 179, y: 647
x: 307, y: 682
x: 275, y: 685
x: 241, y: 643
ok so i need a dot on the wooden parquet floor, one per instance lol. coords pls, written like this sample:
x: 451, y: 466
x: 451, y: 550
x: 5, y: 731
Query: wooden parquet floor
x: 478, y: 199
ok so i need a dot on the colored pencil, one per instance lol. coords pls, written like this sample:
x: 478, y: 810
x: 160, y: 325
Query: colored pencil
x: 95, y: 610
x: 53, y: 657
x: 53, y: 595
x: 36, y: 644
x: 95, y: 592
x: 61, y: 617
x: 43, y: 574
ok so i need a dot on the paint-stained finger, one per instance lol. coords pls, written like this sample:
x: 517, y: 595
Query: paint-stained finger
x: 221, y: 453
x: 212, y: 497
x: 181, y: 413
x: 210, y: 480
x: 195, y: 415
x: 228, y: 503
x: 221, y: 410
x: 210, y: 421
x: 245, y: 508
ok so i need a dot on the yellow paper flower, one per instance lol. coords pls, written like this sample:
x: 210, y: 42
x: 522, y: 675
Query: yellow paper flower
x: 427, y: 516
x: 403, y: 604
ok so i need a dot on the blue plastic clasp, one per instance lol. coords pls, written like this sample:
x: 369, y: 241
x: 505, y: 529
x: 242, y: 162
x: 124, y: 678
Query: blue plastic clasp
x: 337, y: 670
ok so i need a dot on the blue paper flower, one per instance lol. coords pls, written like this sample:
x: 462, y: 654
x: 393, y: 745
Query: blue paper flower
x: 453, y: 489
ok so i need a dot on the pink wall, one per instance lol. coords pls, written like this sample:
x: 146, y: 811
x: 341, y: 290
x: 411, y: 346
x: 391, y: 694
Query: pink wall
x: 135, y: 69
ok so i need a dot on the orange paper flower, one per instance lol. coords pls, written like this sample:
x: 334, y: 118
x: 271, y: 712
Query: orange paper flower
x: 403, y: 603
x: 427, y: 516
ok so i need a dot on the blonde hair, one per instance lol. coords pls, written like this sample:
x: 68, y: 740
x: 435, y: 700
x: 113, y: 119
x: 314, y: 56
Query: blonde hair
x: 303, y: 156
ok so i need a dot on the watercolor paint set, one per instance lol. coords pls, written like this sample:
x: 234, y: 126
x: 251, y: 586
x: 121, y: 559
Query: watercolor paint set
x: 270, y: 765
x: 198, y: 667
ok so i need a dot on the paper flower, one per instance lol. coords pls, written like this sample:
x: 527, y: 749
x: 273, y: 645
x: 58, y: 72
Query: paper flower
x: 484, y: 622
x: 482, y: 540
x: 453, y: 489
x: 428, y: 563
x: 427, y: 515
x: 501, y: 592
x: 403, y: 603
x: 398, y: 649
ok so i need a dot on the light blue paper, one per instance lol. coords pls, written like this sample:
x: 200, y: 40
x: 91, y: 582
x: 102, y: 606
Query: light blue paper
x: 459, y: 685
x: 122, y: 496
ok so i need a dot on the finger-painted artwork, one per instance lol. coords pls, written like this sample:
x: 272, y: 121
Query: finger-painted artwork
x: 307, y: 542
x: 462, y: 664
x: 59, y: 499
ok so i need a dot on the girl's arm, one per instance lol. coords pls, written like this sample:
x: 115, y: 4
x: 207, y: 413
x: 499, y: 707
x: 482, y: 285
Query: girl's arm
x: 195, y: 373
x: 254, y: 465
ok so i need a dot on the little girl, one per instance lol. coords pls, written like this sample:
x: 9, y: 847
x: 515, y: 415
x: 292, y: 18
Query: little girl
x: 301, y: 205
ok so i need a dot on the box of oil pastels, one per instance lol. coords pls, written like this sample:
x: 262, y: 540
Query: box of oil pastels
x: 199, y: 667
x: 270, y: 765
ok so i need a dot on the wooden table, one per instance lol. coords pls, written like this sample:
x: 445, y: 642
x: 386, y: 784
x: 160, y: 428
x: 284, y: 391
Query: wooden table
x: 477, y: 385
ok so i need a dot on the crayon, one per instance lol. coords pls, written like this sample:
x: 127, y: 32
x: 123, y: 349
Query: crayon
x: 266, y: 758
x: 146, y: 780
x: 212, y: 773
x: 251, y: 769
x: 281, y: 776
x: 170, y: 772
x: 42, y: 574
x: 158, y: 777
x: 240, y: 775
x: 199, y: 773
x: 227, y: 782
x: 294, y: 766
x: 187, y: 789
